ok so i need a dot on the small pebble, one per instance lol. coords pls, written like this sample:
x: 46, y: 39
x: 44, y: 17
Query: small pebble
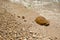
x: 18, y: 16
x: 23, y: 17
x: 25, y: 38
x: 55, y: 37
x: 34, y: 36
x: 25, y: 20
x: 50, y: 38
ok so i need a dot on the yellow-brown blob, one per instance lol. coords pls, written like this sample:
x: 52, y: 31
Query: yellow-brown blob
x: 41, y: 21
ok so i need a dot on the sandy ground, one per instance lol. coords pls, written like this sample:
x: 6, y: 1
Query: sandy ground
x: 52, y: 12
x: 14, y: 26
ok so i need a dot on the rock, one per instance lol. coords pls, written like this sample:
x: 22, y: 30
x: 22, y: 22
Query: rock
x: 42, y: 21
